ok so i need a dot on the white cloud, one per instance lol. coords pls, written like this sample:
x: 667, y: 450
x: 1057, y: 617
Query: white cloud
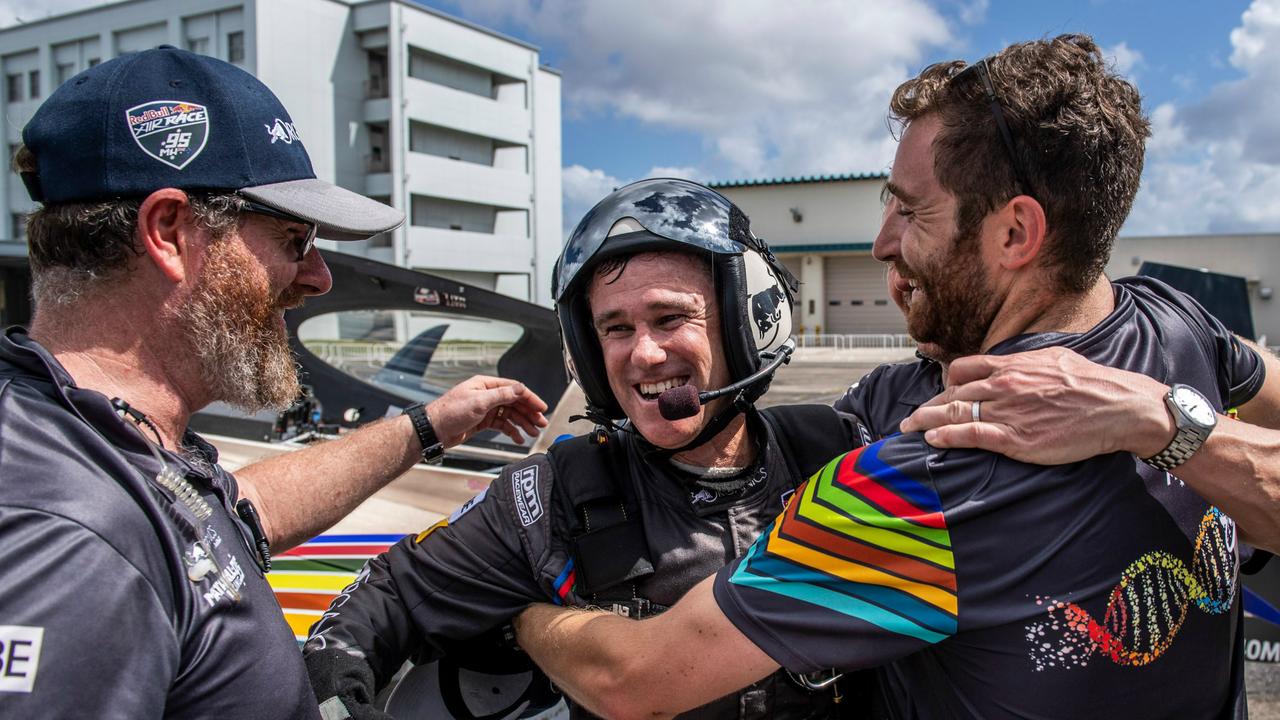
x: 772, y: 88
x: 1123, y: 58
x: 1214, y: 165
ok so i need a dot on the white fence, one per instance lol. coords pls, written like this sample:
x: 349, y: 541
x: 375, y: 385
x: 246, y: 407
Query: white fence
x: 849, y: 342
x: 377, y: 354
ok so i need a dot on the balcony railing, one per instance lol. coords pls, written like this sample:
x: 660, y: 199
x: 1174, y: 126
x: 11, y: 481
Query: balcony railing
x: 874, y: 341
x: 376, y: 87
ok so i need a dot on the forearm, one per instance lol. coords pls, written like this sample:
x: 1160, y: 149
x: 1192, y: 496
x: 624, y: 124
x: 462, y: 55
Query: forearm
x: 582, y: 651
x: 677, y: 661
x: 300, y: 494
x: 1238, y: 469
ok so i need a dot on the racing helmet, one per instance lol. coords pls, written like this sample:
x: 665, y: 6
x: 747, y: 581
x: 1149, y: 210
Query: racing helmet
x: 754, y: 292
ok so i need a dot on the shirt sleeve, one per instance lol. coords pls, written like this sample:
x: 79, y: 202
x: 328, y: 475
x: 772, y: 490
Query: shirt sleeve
x: 856, y: 572
x: 1241, y: 372
x: 459, y: 578
x: 855, y: 402
x: 83, y: 631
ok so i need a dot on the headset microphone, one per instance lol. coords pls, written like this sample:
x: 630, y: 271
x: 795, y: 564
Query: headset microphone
x: 682, y: 402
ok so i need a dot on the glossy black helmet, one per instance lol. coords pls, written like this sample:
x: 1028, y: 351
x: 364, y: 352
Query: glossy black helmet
x: 754, y: 292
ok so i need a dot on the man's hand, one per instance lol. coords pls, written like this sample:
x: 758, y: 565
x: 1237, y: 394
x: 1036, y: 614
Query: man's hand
x: 1047, y: 407
x: 486, y: 403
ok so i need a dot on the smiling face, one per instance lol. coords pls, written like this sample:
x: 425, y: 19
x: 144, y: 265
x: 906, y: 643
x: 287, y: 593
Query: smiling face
x: 939, y: 278
x: 658, y: 328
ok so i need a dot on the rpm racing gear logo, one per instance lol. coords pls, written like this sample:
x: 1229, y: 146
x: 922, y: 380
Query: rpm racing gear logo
x: 524, y: 488
x: 171, y: 131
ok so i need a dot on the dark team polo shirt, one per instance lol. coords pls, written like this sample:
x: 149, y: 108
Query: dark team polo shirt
x: 991, y: 588
x: 116, y: 599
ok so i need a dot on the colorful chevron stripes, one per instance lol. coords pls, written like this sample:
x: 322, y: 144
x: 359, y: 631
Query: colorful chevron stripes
x: 308, y: 577
x: 864, y: 539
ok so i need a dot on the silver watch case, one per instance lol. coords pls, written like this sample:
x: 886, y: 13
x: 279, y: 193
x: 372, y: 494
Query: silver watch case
x: 1194, y: 417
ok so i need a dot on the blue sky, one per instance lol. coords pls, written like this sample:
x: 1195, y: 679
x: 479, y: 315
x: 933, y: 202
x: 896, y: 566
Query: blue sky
x: 736, y: 89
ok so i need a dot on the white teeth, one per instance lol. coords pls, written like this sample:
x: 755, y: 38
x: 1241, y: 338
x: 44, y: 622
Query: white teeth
x: 660, y: 387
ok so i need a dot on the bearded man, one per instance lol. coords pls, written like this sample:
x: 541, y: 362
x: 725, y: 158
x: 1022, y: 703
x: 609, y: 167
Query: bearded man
x: 173, y: 234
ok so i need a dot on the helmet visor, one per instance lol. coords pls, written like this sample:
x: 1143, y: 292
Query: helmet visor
x: 676, y: 210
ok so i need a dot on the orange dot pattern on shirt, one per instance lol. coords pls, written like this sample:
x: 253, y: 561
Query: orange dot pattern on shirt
x: 1146, y: 609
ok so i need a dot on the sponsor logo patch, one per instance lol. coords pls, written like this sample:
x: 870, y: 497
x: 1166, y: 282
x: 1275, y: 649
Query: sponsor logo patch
x: 426, y: 296
x: 283, y: 131
x: 19, y: 657
x: 171, y: 131
x: 524, y: 488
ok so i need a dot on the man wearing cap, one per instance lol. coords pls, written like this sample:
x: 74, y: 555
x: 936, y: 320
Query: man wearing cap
x: 179, y: 208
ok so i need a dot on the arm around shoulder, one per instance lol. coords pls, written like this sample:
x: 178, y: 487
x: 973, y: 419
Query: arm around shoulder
x: 677, y: 661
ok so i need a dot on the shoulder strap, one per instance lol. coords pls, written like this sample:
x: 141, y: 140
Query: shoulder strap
x: 606, y: 529
x: 809, y: 435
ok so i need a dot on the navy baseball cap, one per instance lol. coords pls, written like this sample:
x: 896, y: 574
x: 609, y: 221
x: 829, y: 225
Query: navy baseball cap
x: 170, y: 118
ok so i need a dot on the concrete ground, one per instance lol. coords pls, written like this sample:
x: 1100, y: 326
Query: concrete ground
x: 821, y: 375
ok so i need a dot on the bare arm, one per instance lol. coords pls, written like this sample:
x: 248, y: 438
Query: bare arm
x: 300, y: 494
x: 619, y: 668
x: 1053, y: 406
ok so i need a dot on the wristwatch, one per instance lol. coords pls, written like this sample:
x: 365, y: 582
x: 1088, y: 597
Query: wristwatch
x: 432, y: 448
x: 1194, y: 418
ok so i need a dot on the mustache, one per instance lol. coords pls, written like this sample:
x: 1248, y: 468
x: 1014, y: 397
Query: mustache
x: 903, y: 271
x: 291, y: 299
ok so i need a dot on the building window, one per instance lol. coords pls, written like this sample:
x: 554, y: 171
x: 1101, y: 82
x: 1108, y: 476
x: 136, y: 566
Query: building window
x: 65, y: 71
x: 94, y: 61
x: 13, y: 88
x: 17, y: 226
x: 235, y: 47
x: 33, y: 84
x: 199, y: 46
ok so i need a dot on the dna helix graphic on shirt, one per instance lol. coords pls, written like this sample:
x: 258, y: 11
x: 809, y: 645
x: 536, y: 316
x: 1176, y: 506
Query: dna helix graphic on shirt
x: 1146, y: 609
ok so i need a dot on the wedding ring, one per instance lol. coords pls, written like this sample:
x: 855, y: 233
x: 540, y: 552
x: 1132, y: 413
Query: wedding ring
x: 976, y: 405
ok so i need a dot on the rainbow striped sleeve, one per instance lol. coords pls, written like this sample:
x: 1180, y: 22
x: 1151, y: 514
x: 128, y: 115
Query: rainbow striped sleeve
x: 865, y: 540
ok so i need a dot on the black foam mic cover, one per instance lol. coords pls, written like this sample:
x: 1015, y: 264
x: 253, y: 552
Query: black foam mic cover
x: 679, y: 403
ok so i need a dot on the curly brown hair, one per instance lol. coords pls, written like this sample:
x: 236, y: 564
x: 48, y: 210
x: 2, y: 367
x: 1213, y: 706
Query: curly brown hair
x: 80, y: 243
x: 1078, y: 132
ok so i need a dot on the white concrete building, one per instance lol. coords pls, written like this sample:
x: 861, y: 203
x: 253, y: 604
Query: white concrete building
x: 457, y: 125
x: 822, y: 227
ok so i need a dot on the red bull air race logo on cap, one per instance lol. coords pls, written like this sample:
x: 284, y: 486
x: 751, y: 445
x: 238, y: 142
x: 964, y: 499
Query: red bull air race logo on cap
x: 171, y: 131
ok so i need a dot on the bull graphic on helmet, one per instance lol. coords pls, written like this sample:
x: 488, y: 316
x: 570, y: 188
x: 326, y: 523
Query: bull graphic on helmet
x: 766, y: 309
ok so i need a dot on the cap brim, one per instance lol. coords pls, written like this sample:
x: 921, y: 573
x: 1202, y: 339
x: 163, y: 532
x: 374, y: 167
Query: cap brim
x: 339, y: 214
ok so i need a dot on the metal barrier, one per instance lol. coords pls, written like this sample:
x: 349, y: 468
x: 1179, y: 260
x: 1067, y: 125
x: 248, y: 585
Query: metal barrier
x: 884, y: 341
x: 377, y: 354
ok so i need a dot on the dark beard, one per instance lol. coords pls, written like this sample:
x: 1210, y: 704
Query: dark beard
x: 233, y: 328
x: 959, y: 306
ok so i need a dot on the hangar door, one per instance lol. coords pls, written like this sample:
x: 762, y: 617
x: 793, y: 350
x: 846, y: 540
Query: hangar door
x: 857, y: 297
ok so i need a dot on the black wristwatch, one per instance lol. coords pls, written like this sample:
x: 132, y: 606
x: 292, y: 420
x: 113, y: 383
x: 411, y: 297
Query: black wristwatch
x: 432, y: 448
x: 1195, y: 419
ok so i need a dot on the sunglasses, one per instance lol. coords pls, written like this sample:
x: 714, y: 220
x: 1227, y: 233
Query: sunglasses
x: 984, y: 73
x: 257, y: 208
